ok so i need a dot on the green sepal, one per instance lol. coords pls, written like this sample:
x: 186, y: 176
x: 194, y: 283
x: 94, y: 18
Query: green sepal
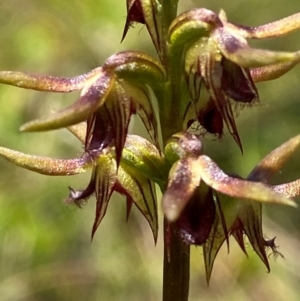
x: 47, y: 166
x: 139, y: 190
x: 143, y: 156
x: 271, y: 30
x: 153, y: 15
x: 238, y: 188
x: 235, y: 48
x: 274, y: 161
x: 92, y: 97
x: 137, y: 67
x: 105, y: 177
x: 226, y: 214
x: 274, y: 71
x: 142, y: 105
x: 183, y: 144
x: 189, y: 27
x: 47, y: 83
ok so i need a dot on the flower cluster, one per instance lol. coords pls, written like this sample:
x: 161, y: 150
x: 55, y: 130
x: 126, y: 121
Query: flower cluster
x: 205, y: 69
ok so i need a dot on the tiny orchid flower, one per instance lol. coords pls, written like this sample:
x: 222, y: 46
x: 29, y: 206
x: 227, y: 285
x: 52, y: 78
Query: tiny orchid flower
x: 140, y: 160
x: 209, y: 205
x: 220, y: 68
x: 238, y: 218
x: 110, y: 96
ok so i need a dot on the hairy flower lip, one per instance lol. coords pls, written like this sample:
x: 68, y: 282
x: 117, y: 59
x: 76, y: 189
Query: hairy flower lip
x: 197, y: 218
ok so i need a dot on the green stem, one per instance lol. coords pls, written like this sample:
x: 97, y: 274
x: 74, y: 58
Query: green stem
x: 176, y: 253
x: 176, y: 265
x: 176, y: 269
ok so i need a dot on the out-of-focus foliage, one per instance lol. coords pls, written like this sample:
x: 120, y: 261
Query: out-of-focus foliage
x: 45, y: 250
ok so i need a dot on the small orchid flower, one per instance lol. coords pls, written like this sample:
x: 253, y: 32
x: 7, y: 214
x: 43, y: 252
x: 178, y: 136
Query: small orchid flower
x: 141, y: 160
x: 110, y: 95
x: 208, y: 205
x: 220, y: 68
x: 244, y: 218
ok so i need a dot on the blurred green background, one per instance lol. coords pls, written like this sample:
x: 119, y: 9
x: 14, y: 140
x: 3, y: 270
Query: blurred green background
x: 45, y: 247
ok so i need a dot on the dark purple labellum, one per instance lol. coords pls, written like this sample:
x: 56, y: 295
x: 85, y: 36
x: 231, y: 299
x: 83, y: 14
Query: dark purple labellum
x: 237, y: 82
x: 197, y: 218
x: 211, y: 119
x: 99, y: 131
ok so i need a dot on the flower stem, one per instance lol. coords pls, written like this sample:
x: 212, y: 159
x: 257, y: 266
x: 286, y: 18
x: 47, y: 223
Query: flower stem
x: 176, y: 268
x: 176, y: 253
x: 176, y: 265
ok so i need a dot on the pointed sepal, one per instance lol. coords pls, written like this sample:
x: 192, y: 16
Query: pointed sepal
x: 274, y: 161
x: 143, y: 156
x: 47, y: 83
x: 47, y: 166
x: 105, y: 178
x: 140, y: 191
x: 92, y: 97
x: 213, y: 176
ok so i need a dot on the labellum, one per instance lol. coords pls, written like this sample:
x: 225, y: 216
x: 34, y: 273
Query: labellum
x: 197, y: 218
x: 211, y: 120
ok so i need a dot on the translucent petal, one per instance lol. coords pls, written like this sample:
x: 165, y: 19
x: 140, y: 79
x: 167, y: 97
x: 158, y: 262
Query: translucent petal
x: 142, y: 104
x: 78, y: 130
x: 142, y: 193
x: 226, y: 214
x: 250, y: 219
x: 152, y: 16
x: 134, y: 14
x: 119, y: 111
x: 105, y: 178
